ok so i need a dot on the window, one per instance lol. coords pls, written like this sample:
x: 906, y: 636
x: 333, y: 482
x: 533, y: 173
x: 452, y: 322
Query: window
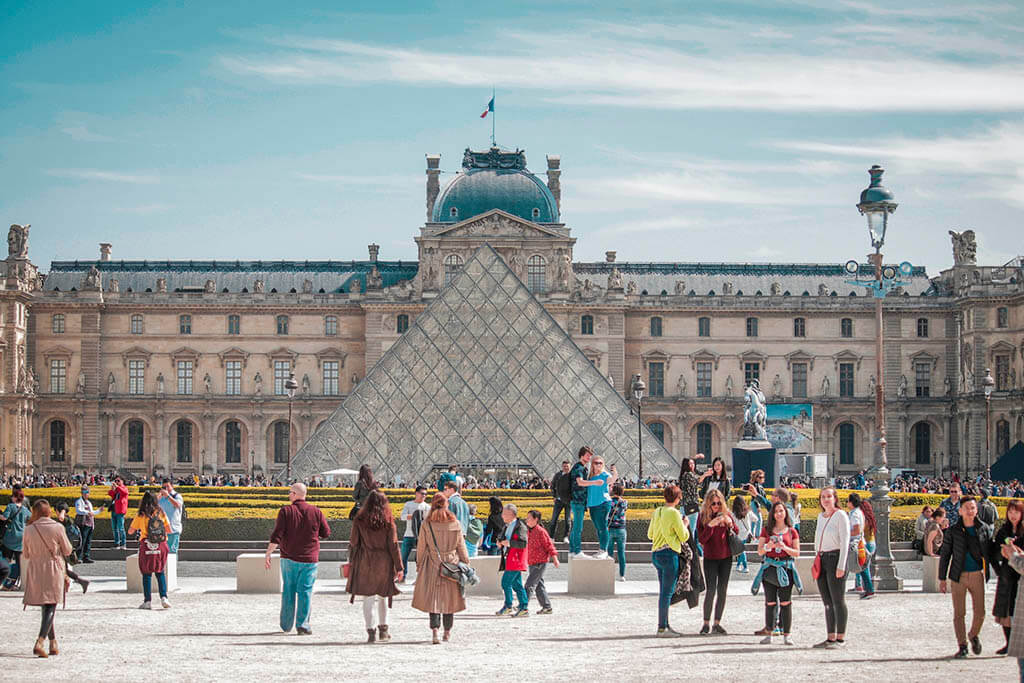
x: 658, y: 429
x: 58, y: 435
x: 704, y: 378
x: 846, y: 443
x: 185, y: 369
x: 751, y: 327
x: 922, y: 327
x: 401, y: 323
x: 1002, y: 317
x: 922, y: 379
x: 184, y: 442
x: 331, y: 378
x: 232, y: 442
x: 846, y: 327
x: 799, y: 380
x: 234, y: 324
x: 1002, y: 372
x: 331, y: 326
x: 452, y: 266
x: 799, y: 327
x: 655, y: 326
x: 656, y: 379
x: 536, y: 214
x: 136, y: 377
x: 1002, y: 438
x: 846, y: 380
x: 136, y: 441
x: 454, y: 212
x: 185, y: 324
x: 751, y: 372
x: 135, y: 326
x: 704, y: 439
x: 58, y: 376
x: 282, y: 324
x: 282, y: 370
x: 281, y: 437
x: 587, y: 324
x: 233, y: 377
x: 922, y: 443
x: 535, y: 270
x: 704, y: 327
x: 58, y: 323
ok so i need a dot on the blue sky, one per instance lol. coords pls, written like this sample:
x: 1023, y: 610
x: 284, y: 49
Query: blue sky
x: 727, y: 131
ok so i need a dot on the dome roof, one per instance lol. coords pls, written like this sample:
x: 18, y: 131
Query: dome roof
x: 495, y: 179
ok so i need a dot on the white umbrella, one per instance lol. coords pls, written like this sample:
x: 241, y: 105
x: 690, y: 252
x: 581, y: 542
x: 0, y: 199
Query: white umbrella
x: 339, y: 473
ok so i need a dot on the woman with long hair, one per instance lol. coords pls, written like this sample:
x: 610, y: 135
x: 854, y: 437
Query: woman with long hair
x: 862, y: 528
x: 365, y: 483
x: 688, y: 485
x: 440, y: 540
x: 667, y: 534
x: 152, y: 526
x: 831, y: 545
x: 713, y: 525
x: 16, y: 516
x: 778, y: 544
x: 716, y: 477
x: 495, y: 526
x: 1011, y: 531
x: 747, y: 521
x: 375, y: 564
x: 43, y: 551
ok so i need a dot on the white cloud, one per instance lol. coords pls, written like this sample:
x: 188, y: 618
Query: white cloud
x: 108, y: 176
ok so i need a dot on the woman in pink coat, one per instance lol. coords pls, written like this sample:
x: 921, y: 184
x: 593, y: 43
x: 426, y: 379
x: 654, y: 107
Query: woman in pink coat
x: 44, y: 548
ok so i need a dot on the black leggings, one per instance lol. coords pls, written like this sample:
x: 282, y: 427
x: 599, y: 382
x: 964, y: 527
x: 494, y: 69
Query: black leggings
x: 435, y: 620
x: 716, y: 575
x: 773, y: 595
x: 833, y: 593
x: 46, y: 627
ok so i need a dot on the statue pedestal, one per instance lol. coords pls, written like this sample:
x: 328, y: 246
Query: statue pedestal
x: 753, y: 454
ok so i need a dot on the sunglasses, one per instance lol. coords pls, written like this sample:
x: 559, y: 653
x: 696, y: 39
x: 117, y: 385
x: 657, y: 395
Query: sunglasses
x: 716, y: 504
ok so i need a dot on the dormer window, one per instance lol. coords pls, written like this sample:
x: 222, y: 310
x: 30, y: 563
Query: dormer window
x: 536, y: 214
x: 454, y: 212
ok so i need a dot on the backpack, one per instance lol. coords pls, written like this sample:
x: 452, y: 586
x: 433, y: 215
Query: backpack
x: 155, y: 530
x: 474, y: 531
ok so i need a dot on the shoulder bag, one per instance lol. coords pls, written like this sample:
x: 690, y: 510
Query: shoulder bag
x: 736, y: 545
x: 448, y: 570
x: 816, y: 567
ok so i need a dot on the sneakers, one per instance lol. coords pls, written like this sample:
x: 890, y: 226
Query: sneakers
x: 165, y: 603
x: 777, y: 631
x: 763, y: 632
x: 503, y: 612
x: 705, y: 629
x: 545, y: 610
x: 867, y: 596
x: 961, y: 653
x: 668, y: 632
x: 621, y: 578
x: 303, y: 631
x: 788, y: 640
x: 146, y: 605
x: 577, y: 556
x: 521, y: 612
x: 565, y: 540
x: 601, y: 556
x: 767, y: 640
x: 826, y: 645
x: 976, y: 645
x: 718, y: 630
x: 743, y: 570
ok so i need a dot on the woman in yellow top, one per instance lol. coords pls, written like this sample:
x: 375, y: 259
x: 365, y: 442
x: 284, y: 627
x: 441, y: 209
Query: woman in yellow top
x: 152, y: 526
x: 668, y: 534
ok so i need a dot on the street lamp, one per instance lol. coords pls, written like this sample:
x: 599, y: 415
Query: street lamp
x: 290, y: 385
x: 252, y: 465
x: 988, y: 383
x: 638, y: 388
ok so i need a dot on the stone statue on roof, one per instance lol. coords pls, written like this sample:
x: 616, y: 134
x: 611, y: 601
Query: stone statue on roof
x: 374, y: 280
x: 111, y: 384
x: 631, y: 287
x: 965, y: 248
x: 775, y: 289
x: 726, y: 288
x: 161, y: 285
x: 257, y: 287
x: 92, y: 279
x: 305, y: 385
x: 680, y: 287
x: 615, y: 279
x: 307, y: 286
x: 210, y: 287
x: 17, y: 241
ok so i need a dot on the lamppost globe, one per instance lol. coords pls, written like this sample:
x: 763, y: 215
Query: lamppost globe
x: 988, y: 383
x: 876, y: 203
x: 638, y: 388
x: 290, y: 385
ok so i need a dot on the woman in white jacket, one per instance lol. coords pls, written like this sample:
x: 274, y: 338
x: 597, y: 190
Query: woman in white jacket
x: 746, y: 519
x: 832, y: 544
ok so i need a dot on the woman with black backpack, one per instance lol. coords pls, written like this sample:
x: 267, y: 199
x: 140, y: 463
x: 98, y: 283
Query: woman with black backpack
x: 152, y: 526
x: 365, y: 484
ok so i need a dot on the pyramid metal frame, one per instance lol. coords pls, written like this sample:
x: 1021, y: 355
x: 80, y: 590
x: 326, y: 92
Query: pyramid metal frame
x: 483, y: 377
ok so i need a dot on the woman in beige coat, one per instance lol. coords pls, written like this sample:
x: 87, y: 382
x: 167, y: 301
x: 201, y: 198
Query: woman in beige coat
x: 439, y: 597
x: 44, y: 548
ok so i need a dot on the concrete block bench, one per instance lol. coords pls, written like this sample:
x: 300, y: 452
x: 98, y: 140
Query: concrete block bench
x: 929, y: 574
x: 251, y: 575
x: 589, y: 576
x: 486, y: 567
x: 803, y: 567
x: 134, y: 577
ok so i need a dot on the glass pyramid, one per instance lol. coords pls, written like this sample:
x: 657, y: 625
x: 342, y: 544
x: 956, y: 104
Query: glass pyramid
x: 484, y: 378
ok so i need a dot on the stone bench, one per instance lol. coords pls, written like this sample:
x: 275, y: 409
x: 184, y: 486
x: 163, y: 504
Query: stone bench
x: 589, y: 576
x: 252, y: 576
x: 133, y: 576
x: 486, y: 567
x: 929, y: 574
x: 803, y: 567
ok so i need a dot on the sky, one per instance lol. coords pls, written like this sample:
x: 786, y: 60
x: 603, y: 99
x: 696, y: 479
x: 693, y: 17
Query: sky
x: 716, y: 132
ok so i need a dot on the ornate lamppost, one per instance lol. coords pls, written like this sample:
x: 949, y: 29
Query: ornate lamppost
x: 988, y: 383
x: 290, y: 385
x: 638, y: 388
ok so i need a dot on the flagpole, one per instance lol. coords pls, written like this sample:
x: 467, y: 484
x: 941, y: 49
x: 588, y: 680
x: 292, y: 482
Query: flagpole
x: 493, y: 115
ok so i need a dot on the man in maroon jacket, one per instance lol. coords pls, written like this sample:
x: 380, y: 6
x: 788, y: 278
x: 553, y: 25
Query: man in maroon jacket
x: 298, y: 531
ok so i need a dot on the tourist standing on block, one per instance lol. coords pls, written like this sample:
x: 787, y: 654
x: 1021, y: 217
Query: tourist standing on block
x: 778, y: 545
x: 440, y: 540
x: 561, y: 490
x: 297, y: 532
x: 713, y: 526
x: 599, y: 502
x: 85, y: 520
x: 513, y: 544
x: 45, y: 547
x: 173, y: 505
x: 580, y: 483
x: 965, y: 546
x: 747, y: 521
x: 667, y: 534
x: 412, y: 525
x: 16, y: 514
x: 832, y: 544
x: 539, y: 549
x: 450, y: 475
x: 118, y: 493
x: 152, y: 526
x: 374, y: 563
x: 1010, y: 532
x: 474, y: 531
x: 617, y: 528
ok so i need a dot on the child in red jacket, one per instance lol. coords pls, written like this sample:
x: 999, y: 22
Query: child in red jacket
x: 539, y: 549
x: 513, y: 543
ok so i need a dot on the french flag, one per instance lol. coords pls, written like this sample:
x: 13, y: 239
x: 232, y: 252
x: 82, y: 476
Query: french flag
x: 490, y: 108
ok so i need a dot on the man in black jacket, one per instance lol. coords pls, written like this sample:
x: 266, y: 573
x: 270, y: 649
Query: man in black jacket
x: 561, y: 489
x: 962, y: 558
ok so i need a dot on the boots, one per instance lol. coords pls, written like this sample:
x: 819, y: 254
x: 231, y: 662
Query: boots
x: 447, y: 636
x: 38, y: 650
x: 53, y: 647
x: 435, y: 640
x: 384, y: 636
x: 371, y: 635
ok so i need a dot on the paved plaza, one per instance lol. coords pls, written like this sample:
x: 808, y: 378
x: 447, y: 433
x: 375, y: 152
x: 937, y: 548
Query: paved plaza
x: 211, y: 633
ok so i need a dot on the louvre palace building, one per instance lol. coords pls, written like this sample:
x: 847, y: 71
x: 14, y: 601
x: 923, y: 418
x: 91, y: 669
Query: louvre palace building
x: 495, y: 348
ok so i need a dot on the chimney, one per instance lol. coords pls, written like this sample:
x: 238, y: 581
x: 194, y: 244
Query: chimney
x: 609, y: 256
x: 554, y: 184
x: 105, y: 251
x: 374, y: 250
x: 433, y: 182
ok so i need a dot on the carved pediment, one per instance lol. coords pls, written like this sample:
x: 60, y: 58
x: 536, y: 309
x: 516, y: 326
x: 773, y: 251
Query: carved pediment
x: 703, y: 355
x: 331, y: 353
x: 846, y: 356
x: 925, y: 357
x: 656, y: 356
x: 135, y: 353
x: 497, y: 223
x: 57, y: 352
x: 752, y: 356
x: 1001, y: 347
x: 234, y: 353
x: 282, y: 353
x: 185, y: 353
x: 799, y: 356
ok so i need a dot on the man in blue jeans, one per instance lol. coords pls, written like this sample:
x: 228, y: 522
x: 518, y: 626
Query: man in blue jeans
x: 119, y: 494
x: 172, y: 504
x: 412, y: 525
x: 578, y: 506
x: 297, y: 532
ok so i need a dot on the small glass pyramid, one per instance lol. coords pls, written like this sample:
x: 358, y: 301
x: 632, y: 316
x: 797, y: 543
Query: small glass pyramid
x: 484, y: 378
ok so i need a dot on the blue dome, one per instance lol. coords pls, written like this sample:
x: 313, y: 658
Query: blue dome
x: 495, y: 180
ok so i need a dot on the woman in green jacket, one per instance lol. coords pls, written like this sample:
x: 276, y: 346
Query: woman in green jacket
x: 668, y: 534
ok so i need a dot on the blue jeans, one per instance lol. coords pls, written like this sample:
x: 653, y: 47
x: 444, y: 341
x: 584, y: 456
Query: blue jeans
x: 618, y: 537
x: 147, y: 589
x: 741, y: 560
x: 512, y: 583
x: 576, y: 529
x: 599, y: 516
x: 692, y: 519
x: 408, y: 543
x: 297, y: 579
x: 117, y: 524
x: 1020, y: 666
x: 86, y: 546
x: 172, y: 542
x: 666, y: 561
x: 471, y: 549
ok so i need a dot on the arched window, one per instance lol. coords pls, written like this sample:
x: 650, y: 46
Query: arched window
x: 58, y: 440
x: 846, y: 444
x: 454, y: 212
x: 922, y: 443
x: 452, y: 267
x: 587, y: 324
x: 136, y: 324
x: 331, y: 325
x: 233, y: 442
x: 401, y: 323
x: 282, y: 324
x: 184, y: 441
x: 536, y: 214
x: 658, y: 429
x: 704, y: 327
x: 136, y: 441
x: 656, y: 326
x: 58, y: 323
x: 535, y: 271
x: 1002, y: 438
x: 281, y: 446
x: 704, y: 431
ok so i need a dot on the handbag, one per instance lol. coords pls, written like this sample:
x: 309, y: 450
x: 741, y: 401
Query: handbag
x: 816, y: 566
x: 451, y: 571
x: 346, y: 569
x: 736, y: 545
x: 853, y: 563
